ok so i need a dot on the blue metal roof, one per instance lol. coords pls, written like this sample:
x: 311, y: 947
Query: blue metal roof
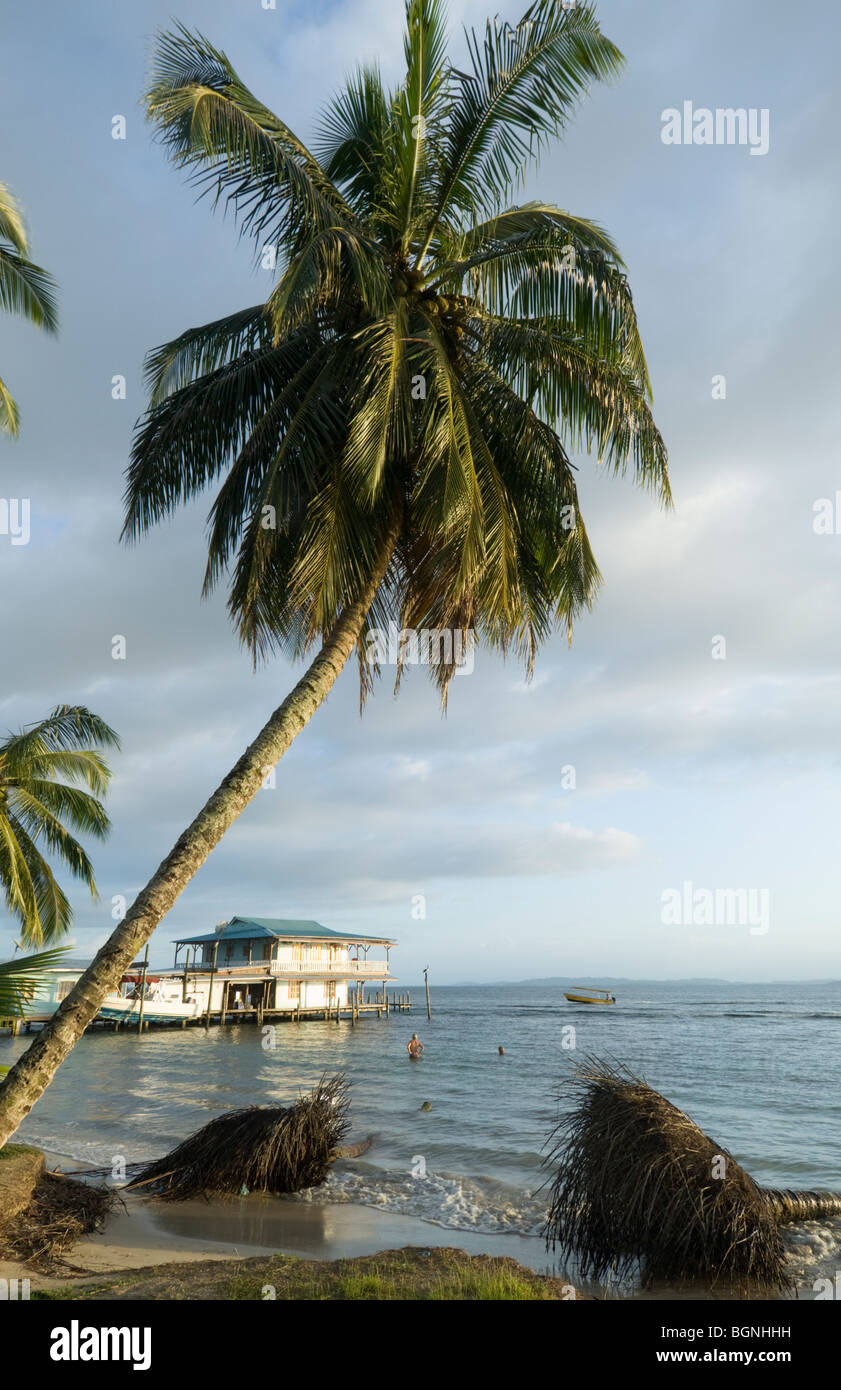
x: 279, y: 929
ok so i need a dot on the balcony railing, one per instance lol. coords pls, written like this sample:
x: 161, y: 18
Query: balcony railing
x: 363, y: 969
x: 370, y: 969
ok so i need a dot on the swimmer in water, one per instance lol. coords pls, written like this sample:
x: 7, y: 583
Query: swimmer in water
x: 415, y: 1047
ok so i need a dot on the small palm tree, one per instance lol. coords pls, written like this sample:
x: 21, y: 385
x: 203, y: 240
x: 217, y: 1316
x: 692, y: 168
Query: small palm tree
x: 389, y: 430
x: 24, y: 289
x: 35, y: 806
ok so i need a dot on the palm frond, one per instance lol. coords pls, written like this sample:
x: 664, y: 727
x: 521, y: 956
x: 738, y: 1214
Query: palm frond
x: 44, y: 806
x: 600, y: 402
x: 238, y: 150
x: 523, y: 84
x: 332, y: 266
x: 9, y: 413
x: 186, y: 441
x: 416, y: 128
x: 12, y: 225
x: 28, y: 290
x: 193, y: 354
x: 35, y: 806
x: 19, y: 891
x: 352, y: 143
x: 538, y: 261
x: 68, y: 728
x: 22, y: 976
x: 50, y: 915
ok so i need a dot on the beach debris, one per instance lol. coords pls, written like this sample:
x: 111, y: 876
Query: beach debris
x: 60, y: 1211
x: 427, y: 1105
x: 352, y: 1150
x: 259, y: 1148
x: 640, y: 1190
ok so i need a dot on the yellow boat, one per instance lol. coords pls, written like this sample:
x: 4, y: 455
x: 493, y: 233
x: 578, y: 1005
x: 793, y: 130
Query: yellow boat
x: 583, y: 995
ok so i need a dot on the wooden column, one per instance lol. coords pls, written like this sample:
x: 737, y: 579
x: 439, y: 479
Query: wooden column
x: 210, y: 987
x: 143, y: 989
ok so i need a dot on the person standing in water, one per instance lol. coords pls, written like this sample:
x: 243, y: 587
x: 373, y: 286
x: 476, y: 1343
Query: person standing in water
x: 415, y: 1047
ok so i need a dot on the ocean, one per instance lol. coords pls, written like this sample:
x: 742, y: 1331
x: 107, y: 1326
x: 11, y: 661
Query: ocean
x: 753, y: 1064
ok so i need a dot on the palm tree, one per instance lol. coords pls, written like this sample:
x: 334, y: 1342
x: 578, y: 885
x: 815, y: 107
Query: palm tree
x: 35, y: 805
x: 390, y: 427
x: 24, y: 289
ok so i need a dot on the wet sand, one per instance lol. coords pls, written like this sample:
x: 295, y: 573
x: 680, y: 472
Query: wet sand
x: 146, y: 1232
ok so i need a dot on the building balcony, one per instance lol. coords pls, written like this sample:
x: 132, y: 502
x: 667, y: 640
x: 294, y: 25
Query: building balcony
x: 354, y: 969
x: 301, y: 969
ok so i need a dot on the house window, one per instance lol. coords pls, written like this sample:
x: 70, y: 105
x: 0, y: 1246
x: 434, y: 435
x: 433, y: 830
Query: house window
x: 267, y: 950
x: 64, y: 988
x: 229, y: 950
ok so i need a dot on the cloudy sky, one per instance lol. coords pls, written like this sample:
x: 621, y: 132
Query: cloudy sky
x: 718, y: 773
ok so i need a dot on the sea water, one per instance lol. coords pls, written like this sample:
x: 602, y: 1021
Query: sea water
x: 754, y: 1064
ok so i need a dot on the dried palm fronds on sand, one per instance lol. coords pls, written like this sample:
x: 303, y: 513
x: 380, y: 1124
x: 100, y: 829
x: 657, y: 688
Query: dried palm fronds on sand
x: 60, y: 1211
x: 260, y: 1149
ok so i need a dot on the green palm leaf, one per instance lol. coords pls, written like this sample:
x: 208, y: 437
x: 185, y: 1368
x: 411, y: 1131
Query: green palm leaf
x: 25, y: 289
x: 235, y: 147
x: 35, y: 806
x: 523, y: 83
x: 21, y: 977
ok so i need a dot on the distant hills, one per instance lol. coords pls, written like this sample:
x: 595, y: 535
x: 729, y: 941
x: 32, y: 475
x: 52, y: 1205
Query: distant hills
x: 610, y: 980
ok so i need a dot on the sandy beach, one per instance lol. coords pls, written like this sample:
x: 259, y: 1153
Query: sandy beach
x: 141, y: 1232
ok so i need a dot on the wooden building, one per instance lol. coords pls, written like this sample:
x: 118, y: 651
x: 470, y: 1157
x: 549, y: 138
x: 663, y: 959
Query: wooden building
x: 270, y: 965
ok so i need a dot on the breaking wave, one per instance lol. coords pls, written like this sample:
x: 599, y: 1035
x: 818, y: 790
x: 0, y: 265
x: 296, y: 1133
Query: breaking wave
x: 482, y: 1205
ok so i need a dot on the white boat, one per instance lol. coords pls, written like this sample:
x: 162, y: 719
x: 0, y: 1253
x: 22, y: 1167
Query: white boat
x: 163, y: 1002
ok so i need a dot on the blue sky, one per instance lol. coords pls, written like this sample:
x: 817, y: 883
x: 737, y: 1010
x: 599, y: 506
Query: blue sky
x: 721, y: 773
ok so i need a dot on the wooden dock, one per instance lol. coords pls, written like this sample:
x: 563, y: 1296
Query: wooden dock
x: 382, y: 1006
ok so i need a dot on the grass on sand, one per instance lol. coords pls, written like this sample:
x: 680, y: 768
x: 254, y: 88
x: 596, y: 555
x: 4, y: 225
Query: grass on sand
x: 413, y: 1274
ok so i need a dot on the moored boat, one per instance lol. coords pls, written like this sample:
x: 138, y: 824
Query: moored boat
x: 163, y: 1002
x: 582, y: 994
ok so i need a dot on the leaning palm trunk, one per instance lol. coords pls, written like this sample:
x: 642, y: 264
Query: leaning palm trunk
x: 787, y: 1206
x: 32, y: 1074
x: 639, y: 1189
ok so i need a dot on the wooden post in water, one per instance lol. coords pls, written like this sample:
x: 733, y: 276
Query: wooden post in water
x: 143, y: 989
x: 184, y: 983
x: 210, y: 989
x: 426, y: 982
